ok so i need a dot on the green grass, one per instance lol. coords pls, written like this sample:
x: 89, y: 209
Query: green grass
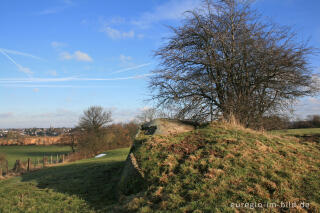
x: 14, y: 153
x: 83, y: 186
x: 296, y: 132
x: 205, y: 170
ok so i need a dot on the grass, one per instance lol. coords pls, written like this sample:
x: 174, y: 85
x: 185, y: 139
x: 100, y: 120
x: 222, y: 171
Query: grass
x: 297, y: 132
x: 308, y: 134
x: 210, y: 168
x: 206, y: 170
x: 83, y: 186
x: 14, y: 153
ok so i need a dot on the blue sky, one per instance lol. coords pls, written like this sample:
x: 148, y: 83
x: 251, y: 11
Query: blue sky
x: 59, y: 57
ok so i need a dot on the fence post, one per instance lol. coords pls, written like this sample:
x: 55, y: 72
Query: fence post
x: 0, y: 169
x: 28, y: 166
x: 57, y: 159
x: 7, y: 169
x: 51, y: 160
x: 43, y: 163
x: 63, y: 158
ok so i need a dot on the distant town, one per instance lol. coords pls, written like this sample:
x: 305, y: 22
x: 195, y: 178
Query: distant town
x: 13, y: 133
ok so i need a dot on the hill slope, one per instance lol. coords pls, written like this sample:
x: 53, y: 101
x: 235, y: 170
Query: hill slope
x: 220, y: 166
x: 83, y: 186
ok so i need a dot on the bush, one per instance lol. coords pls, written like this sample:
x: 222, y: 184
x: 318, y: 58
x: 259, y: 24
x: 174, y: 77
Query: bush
x: 95, y: 141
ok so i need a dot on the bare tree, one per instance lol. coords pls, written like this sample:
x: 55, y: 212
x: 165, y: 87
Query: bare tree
x: 146, y: 115
x: 149, y: 114
x: 225, y: 61
x: 92, y: 137
x: 94, y: 118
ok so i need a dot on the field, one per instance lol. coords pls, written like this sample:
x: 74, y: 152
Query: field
x: 14, y: 153
x: 310, y: 134
x: 297, y: 132
x: 83, y: 186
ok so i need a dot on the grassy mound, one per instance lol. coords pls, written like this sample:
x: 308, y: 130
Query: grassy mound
x: 221, y: 166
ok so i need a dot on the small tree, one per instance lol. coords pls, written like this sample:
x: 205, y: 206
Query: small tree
x: 94, y: 118
x: 93, y: 142
x: 93, y: 138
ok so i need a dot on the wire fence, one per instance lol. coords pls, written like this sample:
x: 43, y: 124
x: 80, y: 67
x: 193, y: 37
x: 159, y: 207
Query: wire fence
x: 32, y: 164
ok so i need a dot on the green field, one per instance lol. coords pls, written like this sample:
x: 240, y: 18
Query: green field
x: 14, y: 153
x: 83, y: 186
x: 296, y: 132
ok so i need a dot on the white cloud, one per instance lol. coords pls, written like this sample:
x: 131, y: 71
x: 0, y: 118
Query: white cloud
x: 53, y: 10
x: 125, y: 59
x: 81, y: 56
x: 77, y: 55
x: 112, y: 33
x: 55, y: 118
x: 117, y: 34
x: 307, y: 106
x: 6, y: 115
x: 171, y: 10
x: 124, y: 115
x: 61, y: 117
x: 129, y: 34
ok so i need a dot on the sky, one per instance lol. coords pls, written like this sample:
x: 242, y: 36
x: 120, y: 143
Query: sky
x: 58, y: 57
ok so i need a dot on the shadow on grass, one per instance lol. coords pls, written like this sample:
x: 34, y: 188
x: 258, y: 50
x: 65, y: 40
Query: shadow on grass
x: 94, y: 182
x: 309, y: 137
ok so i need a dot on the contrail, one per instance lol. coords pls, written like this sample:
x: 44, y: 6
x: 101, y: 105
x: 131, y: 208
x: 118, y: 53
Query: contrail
x: 68, y: 79
x: 56, y: 86
x: 20, y: 53
x: 131, y: 68
x: 21, y: 68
